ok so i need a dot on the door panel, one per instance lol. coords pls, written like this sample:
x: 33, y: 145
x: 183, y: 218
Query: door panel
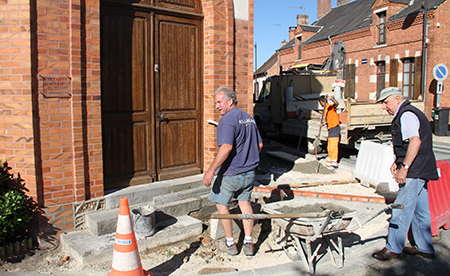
x: 186, y: 130
x: 177, y: 96
x: 128, y: 154
x: 151, y: 96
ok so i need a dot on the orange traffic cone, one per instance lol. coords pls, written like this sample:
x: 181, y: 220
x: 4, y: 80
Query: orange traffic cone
x: 126, y: 260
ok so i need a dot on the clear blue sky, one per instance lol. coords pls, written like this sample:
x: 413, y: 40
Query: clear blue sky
x: 272, y: 21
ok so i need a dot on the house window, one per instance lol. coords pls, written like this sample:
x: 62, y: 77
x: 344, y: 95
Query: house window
x: 299, y: 42
x: 381, y: 28
x: 409, y: 68
x: 381, y: 76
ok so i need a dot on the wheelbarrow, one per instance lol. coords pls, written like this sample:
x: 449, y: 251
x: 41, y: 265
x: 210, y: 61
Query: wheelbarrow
x: 297, y: 232
x: 301, y: 229
x: 297, y: 236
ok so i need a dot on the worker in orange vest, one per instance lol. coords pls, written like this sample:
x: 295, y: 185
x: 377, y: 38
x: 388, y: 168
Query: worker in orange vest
x: 334, y: 129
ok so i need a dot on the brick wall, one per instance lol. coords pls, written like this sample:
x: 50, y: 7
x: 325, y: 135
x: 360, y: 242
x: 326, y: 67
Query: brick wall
x: 68, y: 44
x: 438, y: 51
x: 16, y: 133
x: 228, y: 56
x: 59, y: 138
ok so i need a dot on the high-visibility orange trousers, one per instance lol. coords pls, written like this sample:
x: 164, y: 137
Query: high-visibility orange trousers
x: 333, y: 148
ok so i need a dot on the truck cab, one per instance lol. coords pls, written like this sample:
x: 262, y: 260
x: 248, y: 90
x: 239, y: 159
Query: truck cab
x: 268, y: 108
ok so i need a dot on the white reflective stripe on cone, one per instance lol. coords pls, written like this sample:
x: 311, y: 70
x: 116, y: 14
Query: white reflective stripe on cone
x: 126, y: 261
x: 124, y: 225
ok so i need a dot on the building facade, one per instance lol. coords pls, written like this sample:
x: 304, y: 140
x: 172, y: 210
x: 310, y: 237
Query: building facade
x: 99, y: 95
x: 384, y: 46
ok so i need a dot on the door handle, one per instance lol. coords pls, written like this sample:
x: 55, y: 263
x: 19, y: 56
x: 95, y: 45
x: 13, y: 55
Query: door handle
x: 161, y: 117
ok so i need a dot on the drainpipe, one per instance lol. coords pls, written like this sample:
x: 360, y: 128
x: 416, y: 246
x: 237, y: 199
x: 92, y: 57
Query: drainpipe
x: 424, y: 50
x: 331, y: 45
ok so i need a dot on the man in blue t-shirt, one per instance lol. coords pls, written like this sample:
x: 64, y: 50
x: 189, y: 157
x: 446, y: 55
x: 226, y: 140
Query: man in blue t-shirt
x: 239, y: 145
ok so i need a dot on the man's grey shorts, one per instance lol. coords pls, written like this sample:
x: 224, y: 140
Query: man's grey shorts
x: 227, y: 186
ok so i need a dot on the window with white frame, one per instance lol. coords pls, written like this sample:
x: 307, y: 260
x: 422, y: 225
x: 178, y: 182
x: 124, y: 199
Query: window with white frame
x: 409, y: 70
x: 381, y: 76
x: 381, y: 28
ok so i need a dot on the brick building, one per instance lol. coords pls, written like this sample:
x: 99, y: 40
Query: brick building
x: 99, y: 95
x: 384, y: 45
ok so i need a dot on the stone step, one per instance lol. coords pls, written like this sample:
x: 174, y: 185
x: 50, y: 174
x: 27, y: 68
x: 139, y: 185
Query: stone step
x: 184, y: 202
x: 174, y: 204
x: 89, y: 250
x: 144, y: 194
x: 175, y: 198
x: 188, y: 193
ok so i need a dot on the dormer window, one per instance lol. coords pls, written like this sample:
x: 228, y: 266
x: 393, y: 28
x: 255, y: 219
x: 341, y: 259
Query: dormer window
x: 381, y: 28
x: 299, y: 43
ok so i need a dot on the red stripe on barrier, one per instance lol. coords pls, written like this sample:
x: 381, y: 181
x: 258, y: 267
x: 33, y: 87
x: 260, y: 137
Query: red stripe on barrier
x: 439, y: 198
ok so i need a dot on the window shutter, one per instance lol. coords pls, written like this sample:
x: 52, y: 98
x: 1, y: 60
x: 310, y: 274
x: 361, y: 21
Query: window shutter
x: 418, y: 78
x: 349, y: 81
x: 393, y: 73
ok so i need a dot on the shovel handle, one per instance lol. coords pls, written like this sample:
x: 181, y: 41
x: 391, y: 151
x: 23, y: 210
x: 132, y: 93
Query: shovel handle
x: 326, y: 213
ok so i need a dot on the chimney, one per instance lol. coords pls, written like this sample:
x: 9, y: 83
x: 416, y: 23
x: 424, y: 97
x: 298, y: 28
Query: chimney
x: 302, y: 19
x: 323, y: 6
x: 342, y: 2
x: 292, y: 32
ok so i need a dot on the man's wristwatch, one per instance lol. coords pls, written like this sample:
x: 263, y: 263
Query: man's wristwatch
x: 405, y: 166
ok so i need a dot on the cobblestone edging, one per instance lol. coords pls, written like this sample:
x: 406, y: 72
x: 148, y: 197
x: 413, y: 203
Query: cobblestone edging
x: 359, y: 198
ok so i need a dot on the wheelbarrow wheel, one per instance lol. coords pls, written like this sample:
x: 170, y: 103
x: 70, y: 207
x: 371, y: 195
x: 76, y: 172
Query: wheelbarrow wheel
x: 289, y: 246
x: 292, y: 252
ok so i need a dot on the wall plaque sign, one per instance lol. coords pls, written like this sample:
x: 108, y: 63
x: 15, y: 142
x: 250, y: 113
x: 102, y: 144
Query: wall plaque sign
x: 56, y: 87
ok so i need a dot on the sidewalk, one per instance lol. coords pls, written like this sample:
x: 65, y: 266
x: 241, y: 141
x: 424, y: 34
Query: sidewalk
x: 360, y: 262
x: 441, y: 139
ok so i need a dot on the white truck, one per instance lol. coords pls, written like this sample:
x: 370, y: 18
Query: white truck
x: 288, y: 105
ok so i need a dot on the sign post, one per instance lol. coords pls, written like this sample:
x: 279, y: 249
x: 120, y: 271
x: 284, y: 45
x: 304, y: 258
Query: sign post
x: 440, y: 73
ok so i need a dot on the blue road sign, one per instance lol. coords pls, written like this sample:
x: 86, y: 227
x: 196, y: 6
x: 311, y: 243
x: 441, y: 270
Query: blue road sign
x: 440, y: 72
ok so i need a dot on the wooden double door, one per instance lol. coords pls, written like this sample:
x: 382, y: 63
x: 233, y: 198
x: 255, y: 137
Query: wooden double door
x: 151, y: 95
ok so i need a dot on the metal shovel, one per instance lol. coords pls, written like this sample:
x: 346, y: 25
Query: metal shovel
x: 389, y: 207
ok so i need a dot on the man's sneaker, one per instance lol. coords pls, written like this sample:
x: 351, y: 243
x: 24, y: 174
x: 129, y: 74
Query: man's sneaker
x: 230, y: 250
x: 248, y: 249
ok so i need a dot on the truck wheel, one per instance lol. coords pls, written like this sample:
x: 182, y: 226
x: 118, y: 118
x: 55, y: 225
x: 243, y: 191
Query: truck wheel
x: 311, y: 149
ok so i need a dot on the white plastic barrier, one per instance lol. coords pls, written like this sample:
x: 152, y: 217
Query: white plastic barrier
x: 373, y: 167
